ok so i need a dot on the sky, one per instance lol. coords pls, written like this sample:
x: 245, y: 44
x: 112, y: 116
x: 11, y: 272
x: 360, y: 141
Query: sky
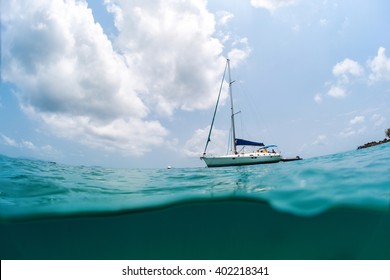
x: 133, y: 84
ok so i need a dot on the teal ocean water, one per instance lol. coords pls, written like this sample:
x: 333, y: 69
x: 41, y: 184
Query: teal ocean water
x: 329, y: 207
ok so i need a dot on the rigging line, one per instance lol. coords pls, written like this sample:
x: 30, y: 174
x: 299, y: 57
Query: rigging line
x: 215, y: 111
x: 244, y: 130
x: 229, y: 142
x: 256, y: 115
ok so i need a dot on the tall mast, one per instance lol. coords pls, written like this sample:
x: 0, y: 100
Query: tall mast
x: 232, y: 110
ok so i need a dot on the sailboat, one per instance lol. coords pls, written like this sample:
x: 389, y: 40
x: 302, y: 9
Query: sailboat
x: 261, y: 153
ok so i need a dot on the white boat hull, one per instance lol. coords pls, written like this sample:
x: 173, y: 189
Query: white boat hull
x: 241, y: 159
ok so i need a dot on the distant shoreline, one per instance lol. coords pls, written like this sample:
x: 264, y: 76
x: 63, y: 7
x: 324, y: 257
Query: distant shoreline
x: 374, y: 143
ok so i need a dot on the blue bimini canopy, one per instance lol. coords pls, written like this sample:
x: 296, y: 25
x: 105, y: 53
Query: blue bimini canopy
x: 269, y: 146
x: 242, y: 142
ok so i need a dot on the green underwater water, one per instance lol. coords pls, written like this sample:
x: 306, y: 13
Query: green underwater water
x: 331, y: 207
x: 202, y: 230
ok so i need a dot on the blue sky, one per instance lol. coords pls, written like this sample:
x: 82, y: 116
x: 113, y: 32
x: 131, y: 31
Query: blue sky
x: 133, y: 83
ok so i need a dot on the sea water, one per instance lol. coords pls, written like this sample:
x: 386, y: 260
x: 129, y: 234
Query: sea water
x: 329, y: 207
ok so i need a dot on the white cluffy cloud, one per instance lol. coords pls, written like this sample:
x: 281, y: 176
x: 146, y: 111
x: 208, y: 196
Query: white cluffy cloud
x: 172, y: 46
x: 223, y: 17
x: 348, y: 70
x: 107, y: 93
x: 342, y: 71
x: 380, y: 66
x: 361, y: 124
x: 337, y: 91
x: 357, y: 120
x: 45, y: 150
x: 8, y: 141
x: 196, y: 143
x: 318, y: 98
x: 378, y: 120
x: 347, y: 67
x: 272, y: 5
x: 239, y: 52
